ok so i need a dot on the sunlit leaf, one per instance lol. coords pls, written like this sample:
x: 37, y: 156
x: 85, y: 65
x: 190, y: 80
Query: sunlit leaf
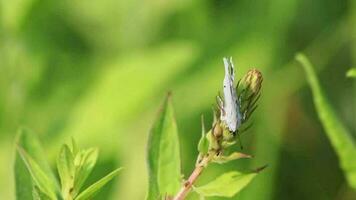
x: 22, y: 179
x: 338, y: 135
x: 65, y: 166
x: 163, y: 154
x: 95, y: 188
x: 84, y: 164
x: 29, y: 143
x: 39, y: 177
x: 226, y: 185
x: 351, y: 73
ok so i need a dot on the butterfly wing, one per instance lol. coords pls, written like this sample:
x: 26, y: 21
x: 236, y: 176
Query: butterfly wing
x: 231, y: 116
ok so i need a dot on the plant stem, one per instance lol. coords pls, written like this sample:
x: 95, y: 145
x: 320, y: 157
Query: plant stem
x: 192, y: 178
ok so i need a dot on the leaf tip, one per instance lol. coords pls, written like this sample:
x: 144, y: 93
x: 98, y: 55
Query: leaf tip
x: 299, y: 55
x: 302, y: 59
x: 259, y: 169
x: 246, y: 156
x: 168, y: 98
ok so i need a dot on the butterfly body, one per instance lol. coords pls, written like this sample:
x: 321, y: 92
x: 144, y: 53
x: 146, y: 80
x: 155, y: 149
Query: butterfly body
x: 230, y: 106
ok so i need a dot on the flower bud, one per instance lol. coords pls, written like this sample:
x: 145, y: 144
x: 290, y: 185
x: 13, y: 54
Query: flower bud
x: 248, y: 92
x: 217, y: 130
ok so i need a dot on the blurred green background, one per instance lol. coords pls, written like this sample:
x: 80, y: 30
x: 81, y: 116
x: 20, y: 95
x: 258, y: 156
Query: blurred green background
x: 98, y: 70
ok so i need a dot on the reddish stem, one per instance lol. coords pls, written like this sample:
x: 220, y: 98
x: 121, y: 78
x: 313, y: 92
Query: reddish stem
x: 192, y: 178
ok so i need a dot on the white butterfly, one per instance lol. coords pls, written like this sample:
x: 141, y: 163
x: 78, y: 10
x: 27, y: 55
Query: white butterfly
x: 230, y: 108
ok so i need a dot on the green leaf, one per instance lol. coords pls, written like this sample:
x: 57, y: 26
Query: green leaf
x: 84, y: 164
x: 65, y: 166
x: 203, y: 145
x: 39, y: 177
x: 39, y: 195
x: 95, y: 188
x: 338, y: 135
x: 23, y: 180
x: 163, y: 154
x: 226, y: 185
x: 74, y: 147
x: 351, y: 73
x: 233, y: 156
x: 30, y: 143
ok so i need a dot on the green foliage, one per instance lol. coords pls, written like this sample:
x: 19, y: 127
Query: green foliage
x: 95, y: 70
x: 93, y: 189
x: 38, y: 194
x: 66, y: 170
x: 163, y: 154
x: 22, y: 180
x: 164, y: 161
x: 30, y: 155
x: 40, y: 178
x: 74, y: 166
x: 351, y: 73
x: 84, y: 162
x: 226, y: 185
x: 338, y: 135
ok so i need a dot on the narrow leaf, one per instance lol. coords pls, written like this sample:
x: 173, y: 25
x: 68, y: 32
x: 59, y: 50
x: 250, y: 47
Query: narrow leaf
x: 163, y: 154
x: 84, y: 164
x: 226, y: 185
x: 65, y: 166
x: 30, y: 143
x: 203, y: 145
x: 233, y: 156
x: 39, y: 177
x: 95, y: 188
x: 351, y: 73
x: 23, y: 180
x: 338, y: 135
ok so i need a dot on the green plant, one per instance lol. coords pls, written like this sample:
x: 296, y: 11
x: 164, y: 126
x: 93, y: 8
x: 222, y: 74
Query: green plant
x: 340, y: 138
x: 35, y: 180
x: 231, y: 118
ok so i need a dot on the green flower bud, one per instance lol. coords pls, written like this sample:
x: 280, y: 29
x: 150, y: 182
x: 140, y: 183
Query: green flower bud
x: 248, y: 92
